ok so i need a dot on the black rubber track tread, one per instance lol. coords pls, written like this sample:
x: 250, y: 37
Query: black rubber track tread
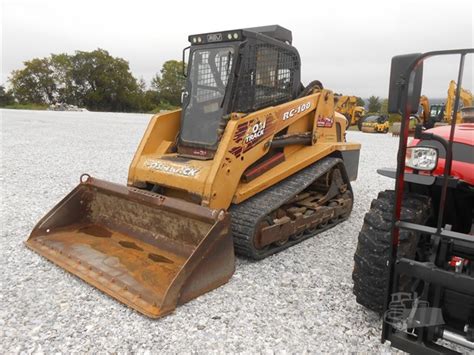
x: 248, y: 214
x: 370, y: 273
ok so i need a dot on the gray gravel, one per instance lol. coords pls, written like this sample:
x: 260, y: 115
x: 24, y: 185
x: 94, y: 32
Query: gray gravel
x: 299, y: 300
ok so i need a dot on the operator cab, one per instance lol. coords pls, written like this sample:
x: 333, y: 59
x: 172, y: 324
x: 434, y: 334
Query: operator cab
x: 234, y: 71
x: 437, y: 112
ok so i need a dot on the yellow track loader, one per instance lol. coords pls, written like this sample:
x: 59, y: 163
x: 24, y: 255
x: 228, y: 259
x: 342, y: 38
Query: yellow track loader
x: 347, y: 105
x: 253, y: 161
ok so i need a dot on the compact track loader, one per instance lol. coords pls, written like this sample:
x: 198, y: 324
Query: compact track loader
x: 253, y: 161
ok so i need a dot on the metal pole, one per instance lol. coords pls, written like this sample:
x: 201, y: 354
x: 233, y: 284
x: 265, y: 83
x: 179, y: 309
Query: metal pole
x: 449, y: 154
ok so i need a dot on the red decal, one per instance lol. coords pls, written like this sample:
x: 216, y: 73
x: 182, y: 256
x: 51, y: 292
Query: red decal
x: 252, y: 132
x: 325, y: 122
x: 236, y: 151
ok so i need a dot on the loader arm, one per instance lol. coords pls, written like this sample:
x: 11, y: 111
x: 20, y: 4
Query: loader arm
x: 425, y: 104
x: 341, y: 104
x: 465, y: 96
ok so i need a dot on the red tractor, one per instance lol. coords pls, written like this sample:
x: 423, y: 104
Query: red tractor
x: 414, y: 261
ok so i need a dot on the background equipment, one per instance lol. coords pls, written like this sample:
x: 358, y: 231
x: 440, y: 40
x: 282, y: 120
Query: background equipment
x: 376, y: 124
x: 434, y: 114
x: 347, y: 105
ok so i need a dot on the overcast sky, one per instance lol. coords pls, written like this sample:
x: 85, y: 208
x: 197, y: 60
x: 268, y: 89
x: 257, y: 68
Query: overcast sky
x: 345, y: 44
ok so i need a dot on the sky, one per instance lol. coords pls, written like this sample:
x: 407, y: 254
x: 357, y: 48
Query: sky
x: 347, y: 45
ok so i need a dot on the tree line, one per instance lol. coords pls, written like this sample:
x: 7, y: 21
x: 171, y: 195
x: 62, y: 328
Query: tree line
x: 100, y: 82
x: 376, y: 105
x: 94, y: 80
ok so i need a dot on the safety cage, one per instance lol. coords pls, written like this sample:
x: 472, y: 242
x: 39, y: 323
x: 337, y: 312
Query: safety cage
x: 235, y: 71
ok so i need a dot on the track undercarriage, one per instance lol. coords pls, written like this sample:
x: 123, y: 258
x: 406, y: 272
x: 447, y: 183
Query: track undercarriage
x: 305, y: 204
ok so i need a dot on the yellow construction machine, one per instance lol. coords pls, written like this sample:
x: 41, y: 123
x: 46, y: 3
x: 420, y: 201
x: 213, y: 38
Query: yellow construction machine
x: 376, y: 124
x: 434, y: 114
x: 347, y: 105
x: 253, y: 162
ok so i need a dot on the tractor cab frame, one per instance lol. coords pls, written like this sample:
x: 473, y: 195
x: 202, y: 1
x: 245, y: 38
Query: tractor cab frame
x: 443, y: 309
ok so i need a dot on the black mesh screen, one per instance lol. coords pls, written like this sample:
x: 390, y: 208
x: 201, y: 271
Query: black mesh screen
x: 212, y: 75
x: 267, y: 76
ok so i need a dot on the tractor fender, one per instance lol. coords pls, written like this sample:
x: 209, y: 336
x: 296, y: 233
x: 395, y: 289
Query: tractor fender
x: 409, y: 177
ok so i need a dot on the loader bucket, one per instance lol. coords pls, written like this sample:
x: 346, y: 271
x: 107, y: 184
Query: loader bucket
x: 149, y: 251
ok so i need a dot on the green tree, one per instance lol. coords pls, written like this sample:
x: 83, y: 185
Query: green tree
x: 374, y: 104
x: 384, y: 107
x: 170, y: 82
x: 61, y: 68
x: 6, y: 97
x: 95, y: 80
x: 102, y: 82
x: 147, y: 100
x: 34, y: 83
x: 360, y: 102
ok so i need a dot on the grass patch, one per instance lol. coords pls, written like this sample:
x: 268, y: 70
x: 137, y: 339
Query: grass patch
x: 163, y: 106
x: 394, y: 117
x: 26, y: 107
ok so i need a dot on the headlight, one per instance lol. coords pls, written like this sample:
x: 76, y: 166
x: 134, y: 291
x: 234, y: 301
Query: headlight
x: 421, y: 158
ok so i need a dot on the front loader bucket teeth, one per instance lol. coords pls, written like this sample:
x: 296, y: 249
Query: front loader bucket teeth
x: 149, y: 251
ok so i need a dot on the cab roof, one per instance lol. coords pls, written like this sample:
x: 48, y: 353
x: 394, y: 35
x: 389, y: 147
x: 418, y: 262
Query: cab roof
x: 273, y: 31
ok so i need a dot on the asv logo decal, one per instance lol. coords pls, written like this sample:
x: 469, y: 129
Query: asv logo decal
x: 325, y: 122
x: 258, y: 129
x: 301, y: 108
x: 182, y: 170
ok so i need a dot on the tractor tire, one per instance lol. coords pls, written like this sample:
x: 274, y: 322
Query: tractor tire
x: 371, y: 272
x: 359, y: 123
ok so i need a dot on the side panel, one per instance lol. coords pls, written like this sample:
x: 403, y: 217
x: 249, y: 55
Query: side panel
x: 159, y: 136
x: 248, y: 139
x: 299, y: 160
x: 245, y: 140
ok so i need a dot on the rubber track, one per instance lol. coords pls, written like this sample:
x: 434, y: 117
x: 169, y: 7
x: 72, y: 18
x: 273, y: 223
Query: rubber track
x: 248, y: 214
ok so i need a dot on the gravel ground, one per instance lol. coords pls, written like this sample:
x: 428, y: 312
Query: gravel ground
x: 299, y: 300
